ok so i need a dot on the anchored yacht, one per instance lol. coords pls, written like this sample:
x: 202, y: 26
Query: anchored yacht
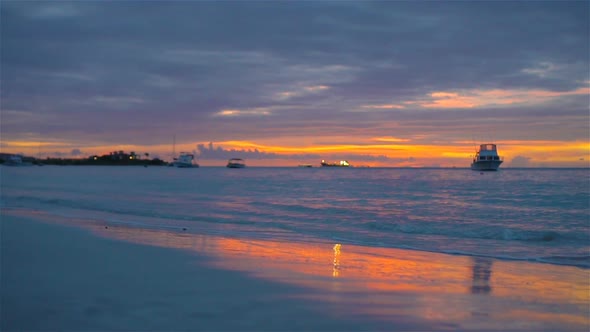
x: 185, y: 160
x: 486, y: 159
x: 342, y: 163
x: 236, y: 163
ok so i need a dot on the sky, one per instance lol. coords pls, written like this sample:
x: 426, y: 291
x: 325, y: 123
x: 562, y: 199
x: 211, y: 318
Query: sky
x: 282, y: 83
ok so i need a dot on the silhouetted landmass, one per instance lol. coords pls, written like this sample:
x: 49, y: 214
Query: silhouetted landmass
x: 117, y: 158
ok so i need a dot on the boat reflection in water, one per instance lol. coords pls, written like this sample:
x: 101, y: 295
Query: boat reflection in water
x: 482, y: 272
x: 388, y: 283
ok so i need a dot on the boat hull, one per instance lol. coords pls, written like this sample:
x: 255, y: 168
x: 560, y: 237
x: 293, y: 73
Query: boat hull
x: 236, y: 165
x: 186, y: 166
x: 486, y: 165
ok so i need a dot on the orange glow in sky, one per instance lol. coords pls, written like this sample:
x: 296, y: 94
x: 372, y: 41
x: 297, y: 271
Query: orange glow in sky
x: 401, y: 152
x: 333, y: 91
x: 361, y: 150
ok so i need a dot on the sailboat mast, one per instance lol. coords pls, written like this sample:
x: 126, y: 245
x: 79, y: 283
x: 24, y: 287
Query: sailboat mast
x: 174, y: 147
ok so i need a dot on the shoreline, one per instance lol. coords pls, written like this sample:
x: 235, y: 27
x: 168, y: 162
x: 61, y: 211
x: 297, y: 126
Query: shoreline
x: 139, y: 279
x: 56, y: 277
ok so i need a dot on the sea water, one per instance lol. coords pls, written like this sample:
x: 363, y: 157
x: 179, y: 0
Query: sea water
x: 513, y: 214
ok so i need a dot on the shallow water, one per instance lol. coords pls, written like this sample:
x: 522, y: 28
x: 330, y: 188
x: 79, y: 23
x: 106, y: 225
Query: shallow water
x: 513, y: 214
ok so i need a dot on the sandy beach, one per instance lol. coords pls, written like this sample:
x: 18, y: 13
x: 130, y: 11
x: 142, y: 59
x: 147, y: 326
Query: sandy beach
x: 111, y: 277
x: 58, y: 278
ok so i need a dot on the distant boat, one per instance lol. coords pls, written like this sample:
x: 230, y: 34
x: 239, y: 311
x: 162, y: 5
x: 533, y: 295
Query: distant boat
x: 342, y: 163
x: 16, y: 160
x: 486, y: 159
x: 236, y: 163
x: 305, y: 165
x: 185, y: 160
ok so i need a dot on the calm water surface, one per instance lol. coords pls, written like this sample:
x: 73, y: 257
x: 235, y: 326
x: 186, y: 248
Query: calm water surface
x: 514, y: 214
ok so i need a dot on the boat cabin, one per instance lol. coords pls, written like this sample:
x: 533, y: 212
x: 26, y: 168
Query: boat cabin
x: 487, y: 152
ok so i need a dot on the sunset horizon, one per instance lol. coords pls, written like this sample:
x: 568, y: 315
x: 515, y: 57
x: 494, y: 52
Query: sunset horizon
x: 389, y: 84
x: 369, y: 154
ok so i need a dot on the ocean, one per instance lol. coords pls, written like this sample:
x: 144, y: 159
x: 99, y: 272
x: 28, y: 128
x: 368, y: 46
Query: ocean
x: 539, y: 215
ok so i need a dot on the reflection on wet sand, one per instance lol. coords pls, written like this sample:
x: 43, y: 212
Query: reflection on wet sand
x: 482, y: 272
x: 396, y: 283
x: 336, y: 269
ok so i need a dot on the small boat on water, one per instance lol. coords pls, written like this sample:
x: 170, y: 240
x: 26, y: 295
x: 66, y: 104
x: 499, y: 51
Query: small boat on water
x: 342, y: 163
x: 304, y: 165
x: 486, y: 158
x: 236, y: 163
x: 185, y: 160
x: 16, y: 160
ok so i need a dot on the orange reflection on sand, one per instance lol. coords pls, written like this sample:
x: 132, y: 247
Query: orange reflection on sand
x: 547, y: 287
x: 380, y: 269
x: 470, y: 293
x: 431, y: 286
x: 376, y: 267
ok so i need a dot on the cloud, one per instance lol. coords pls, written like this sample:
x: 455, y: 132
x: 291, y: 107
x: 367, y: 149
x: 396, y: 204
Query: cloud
x: 493, y: 97
x: 246, y: 70
x: 446, y: 100
x: 383, y: 106
x: 542, y: 69
x: 76, y: 152
x: 248, y: 112
x: 219, y: 153
x: 300, y: 92
x: 390, y: 139
x: 520, y: 161
x: 71, y: 154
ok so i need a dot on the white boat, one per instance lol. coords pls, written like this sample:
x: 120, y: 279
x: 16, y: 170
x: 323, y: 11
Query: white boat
x: 342, y: 163
x: 185, y: 160
x: 236, y: 163
x: 486, y: 159
x: 16, y: 160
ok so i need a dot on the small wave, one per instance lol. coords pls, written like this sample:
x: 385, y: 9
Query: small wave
x: 143, y: 225
x: 542, y: 236
x: 463, y: 231
x: 579, y: 261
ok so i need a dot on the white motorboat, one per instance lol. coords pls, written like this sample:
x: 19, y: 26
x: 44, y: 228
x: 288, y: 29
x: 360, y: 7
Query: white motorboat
x: 184, y: 160
x: 486, y: 158
x: 236, y: 163
x: 342, y: 163
x: 16, y: 160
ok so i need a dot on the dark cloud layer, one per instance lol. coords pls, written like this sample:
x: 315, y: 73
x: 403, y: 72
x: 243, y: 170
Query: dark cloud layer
x: 136, y: 72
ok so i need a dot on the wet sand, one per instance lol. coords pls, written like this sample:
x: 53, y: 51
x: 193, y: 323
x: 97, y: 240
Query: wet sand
x: 114, y: 277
